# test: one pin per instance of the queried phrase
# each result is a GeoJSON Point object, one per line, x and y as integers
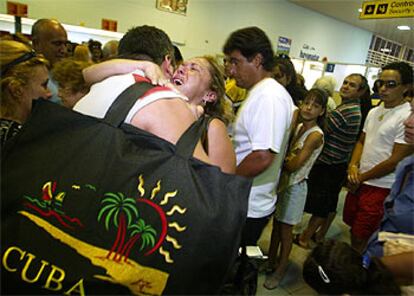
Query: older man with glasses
{"type": "Point", "coordinates": [380, 147]}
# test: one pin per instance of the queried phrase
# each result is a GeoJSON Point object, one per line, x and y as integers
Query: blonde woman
{"type": "Point", "coordinates": [82, 53]}
{"type": "Point", "coordinates": [201, 81]}
{"type": "Point", "coordinates": [71, 85]}
{"type": "Point", "coordinates": [24, 77]}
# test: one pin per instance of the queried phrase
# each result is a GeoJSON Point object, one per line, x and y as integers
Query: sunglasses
{"type": "Point", "coordinates": [387, 83]}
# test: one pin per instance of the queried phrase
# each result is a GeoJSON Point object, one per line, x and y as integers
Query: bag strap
{"type": "Point", "coordinates": [204, 135]}
{"type": "Point", "coordinates": [120, 108]}
{"type": "Point", "coordinates": [186, 144]}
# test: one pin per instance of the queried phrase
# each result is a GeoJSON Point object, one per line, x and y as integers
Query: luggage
{"type": "Point", "coordinates": [93, 206]}
{"type": "Point", "coordinates": [242, 280]}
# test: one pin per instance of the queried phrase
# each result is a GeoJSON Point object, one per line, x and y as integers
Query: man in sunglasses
{"type": "Point", "coordinates": [379, 149]}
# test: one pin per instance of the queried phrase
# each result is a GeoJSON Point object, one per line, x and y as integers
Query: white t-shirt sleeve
{"type": "Point", "coordinates": [399, 130]}
{"type": "Point", "coordinates": [368, 119]}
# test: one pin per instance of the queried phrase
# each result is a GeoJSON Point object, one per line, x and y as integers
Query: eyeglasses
{"type": "Point", "coordinates": [283, 56]}
{"type": "Point", "coordinates": [388, 83]}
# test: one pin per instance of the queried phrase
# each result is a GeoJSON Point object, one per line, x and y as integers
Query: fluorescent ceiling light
{"type": "Point", "coordinates": [404, 28]}
{"type": "Point", "coordinates": [385, 49]}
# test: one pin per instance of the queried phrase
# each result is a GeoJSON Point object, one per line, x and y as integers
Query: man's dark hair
{"type": "Point", "coordinates": [177, 55]}
{"type": "Point", "coordinates": [364, 82]}
{"type": "Point", "coordinates": [251, 41]}
{"type": "Point", "coordinates": [146, 42]}
{"type": "Point", "coordinates": [335, 268]}
{"type": "Point", "coordinates": [94, 44]}
{"type": "Point", "coordinates": [405, 70]}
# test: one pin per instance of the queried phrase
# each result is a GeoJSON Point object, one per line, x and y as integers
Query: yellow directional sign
{"type": "Point", "coordinates": [387, 9]}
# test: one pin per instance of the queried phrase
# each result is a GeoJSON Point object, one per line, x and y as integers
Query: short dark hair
{"type": "Point", "coordinates": [405, 70]}
{"type": "Point", "coordinates": [334, 267]}
{"type": "Point", "coordinates": [251, 41]}
{"type": "Point", "coordinates": [364, 82]}
{"type": "Point", "coordinates": [321, 97]}
{"type": "Point", "coordinates": [146, 41]}
{"type": "Point", "coordinates": [177, 55]}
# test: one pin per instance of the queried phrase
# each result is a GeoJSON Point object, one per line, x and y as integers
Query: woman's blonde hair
{"type": "Point", "coordinates": [68, 73]}
{"type": "Point", "coordinates": [220, 108]}
{"type": "Point", "coordinates": [82, 53]}
{"type": "Point", "coordinates": [15, 72]}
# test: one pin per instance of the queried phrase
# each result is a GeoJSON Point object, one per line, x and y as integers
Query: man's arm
{"type": "Point", "coordinates": [99, 72]}
{"type": "Point", "coordinates": [401, 266]}
{"type": "Point", "coordinates": [312, 142]}
{"type": "Point", "coordinates": [399, 151]}
{"type": "Point", "coordinates": [255, 163]}
{"type": "Point", "coordinates": [353, 166]}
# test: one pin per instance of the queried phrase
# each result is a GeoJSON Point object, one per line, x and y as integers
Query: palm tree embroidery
{"type": "Point", "coordinates": [139, 230]}
{"type": "Point", "coordinates": [122, 211]}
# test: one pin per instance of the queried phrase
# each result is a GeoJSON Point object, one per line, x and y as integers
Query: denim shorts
{"type": "Point", "coordinates": [291, 203]}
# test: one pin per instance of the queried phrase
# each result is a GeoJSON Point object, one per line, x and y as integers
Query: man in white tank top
{"type": "Point", "coordinates": [162, 110]}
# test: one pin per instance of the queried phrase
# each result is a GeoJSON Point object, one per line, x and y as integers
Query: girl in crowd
{"type": "Point", "coordinates": [201, 80]}
{"type": "Point", "coordinates": [334, 268]}
{"type": "Point", "coordinates": [24, 77]}
{"type": "Point", "coordinates": [306, 146]}
{"type": "Point", "coordinates": [68, 74]}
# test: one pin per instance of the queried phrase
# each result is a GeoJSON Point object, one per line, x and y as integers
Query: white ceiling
{"type": "Point", "coordinates": [347, 11]}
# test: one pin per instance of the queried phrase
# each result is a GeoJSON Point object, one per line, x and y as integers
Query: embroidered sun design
{"type": "Point", "coordinates": [174, 226]}
{"type": "Point", "coordinates": [124, 214]}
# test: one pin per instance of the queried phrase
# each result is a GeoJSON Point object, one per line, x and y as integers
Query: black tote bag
{"type": "Point", "coordinates": [94, 206]}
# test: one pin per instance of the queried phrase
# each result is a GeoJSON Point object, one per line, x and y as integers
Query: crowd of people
{"type": "Point", "coordinates": [298, 146]}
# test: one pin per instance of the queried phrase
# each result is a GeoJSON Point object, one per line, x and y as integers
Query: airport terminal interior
{"type": "Point", "coordinates": [321, 38]}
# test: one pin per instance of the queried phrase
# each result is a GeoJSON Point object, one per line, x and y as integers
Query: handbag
{"type": "Point", "coordinates": [97, 206]}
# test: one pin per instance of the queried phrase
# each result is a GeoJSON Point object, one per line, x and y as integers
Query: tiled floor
{"type": "Point", "coordinates": [292, 283]}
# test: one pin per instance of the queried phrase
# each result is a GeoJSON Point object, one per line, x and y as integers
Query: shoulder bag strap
{"type": "Point", "coordinates": [188, 141]}
{"type": "Point", "coordinates": [120, 108]}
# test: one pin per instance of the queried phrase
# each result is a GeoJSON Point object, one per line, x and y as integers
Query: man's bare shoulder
{"type": "Point", "coordinates": [165, 118]}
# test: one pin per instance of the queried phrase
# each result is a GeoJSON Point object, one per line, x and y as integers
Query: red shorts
{"type": "Point", "coordinates": [363, 211]}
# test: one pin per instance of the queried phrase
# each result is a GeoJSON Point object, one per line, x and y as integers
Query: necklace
{"type": "Point", "coordinates": [381, 117]}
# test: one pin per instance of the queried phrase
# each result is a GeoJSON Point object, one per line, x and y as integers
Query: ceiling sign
{"type": "Point", "coordinates": [387, 9]}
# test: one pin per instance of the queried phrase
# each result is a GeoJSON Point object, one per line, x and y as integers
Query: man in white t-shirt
{"type": "Point", "coordinates": [376, 154]}
{"type": "Point", "coordinates": [262, 124]}
{"type": "Point", "coordinates": [161, 111]}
